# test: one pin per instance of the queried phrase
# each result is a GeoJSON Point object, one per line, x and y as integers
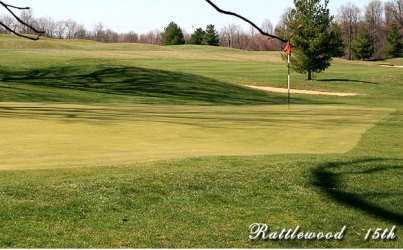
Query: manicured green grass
{"type": "Point", "coordinates": [129, 146]}
{"type": "Point", "coordinates": [50, 135]}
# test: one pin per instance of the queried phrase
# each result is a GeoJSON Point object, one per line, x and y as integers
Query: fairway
{"type": "Point", "coordinates": [140, 146]}
{"type": "Point", "coordinates": [55, 135]}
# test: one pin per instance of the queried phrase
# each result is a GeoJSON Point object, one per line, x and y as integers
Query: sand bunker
{"type": "Point", "coordinates": [390, 65]}
{"type": "Point", "coordinates": [299, 91]}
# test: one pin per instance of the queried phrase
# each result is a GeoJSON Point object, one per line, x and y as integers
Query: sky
{"type": "Point", "coordinates": [142, 16]}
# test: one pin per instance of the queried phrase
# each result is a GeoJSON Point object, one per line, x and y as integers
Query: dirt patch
{"type": "Point", "coordinates": [300, 91]}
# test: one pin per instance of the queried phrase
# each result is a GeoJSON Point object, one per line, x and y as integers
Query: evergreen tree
{"type": "Point", "coordinates": [394, 44]}
{"type": "Point", "coordinates": [318, 41]}
{"type": "Point", "coordinates": [211, 36]}
{"type": "Point", "coordinates": [362, 46]}
{"type": "Point", "coordinates": [173, 35]}
{"type": "Point", "coordinates": [197, 37]}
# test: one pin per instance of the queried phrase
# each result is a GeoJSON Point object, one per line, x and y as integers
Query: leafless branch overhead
{"type": "Point", "coordinates": [8, 7]}
{"type": "Point", "coordinates": [246, 20]}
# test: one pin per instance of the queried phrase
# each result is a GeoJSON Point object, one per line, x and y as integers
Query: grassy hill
{"type": "Point", "coordinates": [131, 145]}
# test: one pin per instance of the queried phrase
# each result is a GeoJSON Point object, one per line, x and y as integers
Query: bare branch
{"type": "Point", "coordinates": [7, 7]}
{"type": "Point", "coordinates": [18, 34]}
{"type": "Point", "coordinates": [15, 7]}
{"type": "Point", "coordinates": [246, 20]}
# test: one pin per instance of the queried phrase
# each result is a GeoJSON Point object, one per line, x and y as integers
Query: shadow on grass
{"type": "Point", "coordinates": [338, 179]}
{"type": "Point", "coordinates": [347, 81]}
{"type": "Point", "coordinates": [105, 83]}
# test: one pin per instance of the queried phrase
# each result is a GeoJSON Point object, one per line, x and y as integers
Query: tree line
{"type": "Point", "coordinates": [71, 29]}
{"type": "Point", "coordinates": [233, 36]}
{"type": "Point", "coordinates": [372, 33]}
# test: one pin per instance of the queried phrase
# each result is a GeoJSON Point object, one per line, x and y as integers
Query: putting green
{"type": "Point", "coordinates": [44, 135]}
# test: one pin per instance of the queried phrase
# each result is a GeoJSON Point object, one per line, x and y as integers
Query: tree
{"type": "Point", "coordinates": [394, 45]}
{"type": "Point", "coordinates": [152, 37]}
{"type": "Point", "coordinates": [81, 32]}
{"type": "Point", "coordinates": [320, 39]}
{"type": "Point", "coordinates": [130, 37]}
{"type": "Point", "coordinates": [268, 44]}
{"type": "Point", "coordinates": [48, 25]}
{"type": "Point", "coordinates": [389, 14]}
{"type": "Point", "coordinates": [395, 9]}
{"type": "Point", "coordinates": [348, 18]}
{"type": "Point", "coordinates": [110, 36]}
{"type": "Point", "coordinates": [211, 36]}
{"type": "Point", "coordinates": [267, 26]}
{"type": "Point", "coordinates": [99, 32]}
{"type": "Point", "coordinates": [362, 46]}
{"type": "Point", "coordinates": [27, 16]}
{"type": "Point", "coordinates": [7, 21]}
{"type": "Point", "coordinates": [374, 20]}
{"type": "Point", "coordinates": [72, 29]}
{"type": "Point", "coordinates": [253, 45]}
{"type": "Point", "coordinates": [227, 35]}
{"type": "Point", "coordinates": [398, 7]}
{"type": "Point", "coordinates": [60, 29]}
{"type": "Point", "coordinates": [197, 37]}
{"type": "Point", "coordinates": [173, 35]}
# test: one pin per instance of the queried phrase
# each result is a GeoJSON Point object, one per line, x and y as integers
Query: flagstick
{"type": "Point", "coordinates": [289, 79]}
{"type": "Point", "coordinates": [288, 50]}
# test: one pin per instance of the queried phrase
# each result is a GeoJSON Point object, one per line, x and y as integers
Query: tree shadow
{"type": "Point", "coordinates": [329, 178]}
{"type": "Point", "coordinates": [139, 85]}
{"type": "Point", "coordinates": [346, 80]}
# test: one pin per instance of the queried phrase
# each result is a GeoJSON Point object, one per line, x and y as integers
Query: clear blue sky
{"type": "Point", "coordinates": [145, 15]}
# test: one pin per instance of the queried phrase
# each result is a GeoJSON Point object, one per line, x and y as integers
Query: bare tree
{"type": "Point", "coordinates": [81, 32]}
{"type": "Point", "coordinates": [227, 35]}
{"type": "Point", "coordinates": [396, 7]}
{"type": "Point", "coordinates": [235, 37]}
{"type": "Point", "coordinates": [99, 32]}
{"type": "Point", "coordinates": [60, 29]}
{"type": "Point", "coordinates": [110, 36]}
{"type": "Point", "coordinates": [129, 37]}
{"type": "Point", "coordinates": [254, 43]}
{"type": "Point", "coordinates": [10, 9]}
{"type": "Point", "coordinates": [9, 22]}
{"type": "Point", "coordinates": [348, 17]}
{"type": "Point", "coordinates": [243, 39]}
{"type": "Point", "coordinates": [389, 13]}
{"type": "Point", "coordinates": [267, 26]}
{"type": "Point", "coordinates": [72, 27]}
{"type": "Point", "coordinates": [27, 16]}
{"type": "Point", "coordinates": [152, 37]}
{"type": "Point", "coordinates": [374, 21]}
{"type": "Point", "coordinates": [48, 25]}
{"type": "Point", "coordinates": [272, 44]}
{"type": "Point", "coordinates": [374, 14]}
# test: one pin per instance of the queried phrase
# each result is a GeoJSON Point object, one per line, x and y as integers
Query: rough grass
{"type": "Point", "coordinates": [90, 109]}
{"type": "Point", "coordinates": [201, 202]}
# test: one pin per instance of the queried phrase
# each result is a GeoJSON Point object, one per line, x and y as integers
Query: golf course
{"type": "Point", "coordinates": [143, 146]}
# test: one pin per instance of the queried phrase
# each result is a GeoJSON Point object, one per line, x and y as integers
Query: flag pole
{"type": "Point", "coordinates": [289, 79]}
{"type": "Point", "coordinates": [288, 50]}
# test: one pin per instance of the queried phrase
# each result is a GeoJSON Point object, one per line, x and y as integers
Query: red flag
{"type": "Point", "coordinates": [288, 49]}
